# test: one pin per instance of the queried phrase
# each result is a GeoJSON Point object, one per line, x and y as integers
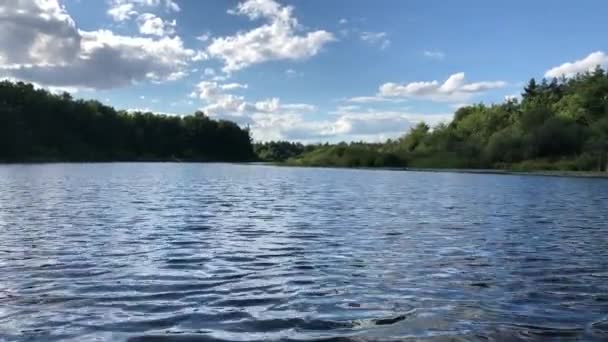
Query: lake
{"type": "Point", "coordinates": [214, 252]}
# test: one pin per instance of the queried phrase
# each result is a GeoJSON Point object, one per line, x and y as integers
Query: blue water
{"type": "Point", "coordinates": [189, 252]}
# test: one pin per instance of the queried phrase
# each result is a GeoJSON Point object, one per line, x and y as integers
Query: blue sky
{"type": "Point", "coordinates": [300, 70]}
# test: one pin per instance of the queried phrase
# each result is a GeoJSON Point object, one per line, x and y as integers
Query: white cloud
{"type": "Point", "coordinates": [209, 72]}
{"type": "Point", "coordinates": [350, 124]}
{"type": "Point", "coordinates": [51, 89]}
{"type": "Point", "coordinates": [200, 56]}
{"type": "Point", "coordinates": [139, 109]}
{"type": "Point", "coordinates": [267, 106]}
{"type": "Point", "coordinates": [438, 55]}
{"type": "Point", "coordinates": [233, 86]}
{"type": "Point", "coordinates": [457, 106]}
{"type": "Point", "coordinates": [347, 108]}
{"type": "Point", "coordinates": [150, 110]}
{"type": "Point", "coordinates": [290, 126]}
{"type": "Point", "coordinates": [150, 24]}
{"type": "Point", "coordinates": [270, 119]}
{"type": "Point", "coordinates": [36, 33]}
{"type": "Point", "coordinates": [343, 21]}
{"type": "Point", "coordinates": [41, 43]}
{"type": "Point", "coordinates": [291, 73]}
{"type": "Point", "coordinates": [121, 10]}
{"type": "Point", "coordinates": [299, 107]}
{"type": "Point", "coordinates": [373, 99]}
{"type": "Point", "coordinates": [373, 123]}
{"type": "Point", "coordinates": [219, 101]}
{"type": "Point", "coordinates": [376, 38]}
{"type": "Point", "coordinates": [453, 89]}
{"type": "Point", "coordinates": [172, 6]}
{"type": "Point", "coordinates": [582, 65]}
{"type": "Point", "coordinates": [204, 37]}
{"type": "Point", "coordinates": [277, 39]}
{"type": "Point", "coordinates": [208, 91]}
{"type": "Point", "coordinates": [260, 115]}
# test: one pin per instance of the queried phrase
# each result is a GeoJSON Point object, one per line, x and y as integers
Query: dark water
{"type": "Point", "coordinates": [234, 252]}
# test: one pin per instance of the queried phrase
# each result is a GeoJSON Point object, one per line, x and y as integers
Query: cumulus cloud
{"type": "Point", "coordinates": [41, 43]}
{"type": "Point", "coordinates": [403, 114]}
{"type": "Point", "coordinates": [36, 33]}
{"type": "Point", "coordinates": [200, 56]}
{"type": "Point", "coordinates": [349, 124]}
{"type": "Point", "coordinates": [267, 118]}
{"type": "Point", "coordinates": [452, 89]}
{"type": "Point", "coordinates": [107, 60]}
{"type": "Point", "coordinates": [376, 38]}
{"type": "Point", "coordinates": [270, 119]}
{"type": "Point", "coordinates": [121, 10]}
{"type": "Point", "coordinates": [150, 24]}
{"type": "Point", "coordinates": [219, 101]}
{"type": "Point", "coordinates": [277, 39]}
{"type": "Point", "coordinates": [267, 106]}
{"type": "Point", "coordinates": [588, 63]}
{"type": "Point", "coordinates": [372, 123]}
{"type": "Point", "coordinates": [292, 126]}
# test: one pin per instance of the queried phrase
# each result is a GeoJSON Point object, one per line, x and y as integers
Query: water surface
{"type": "Point", "coordinates": [209, 252]}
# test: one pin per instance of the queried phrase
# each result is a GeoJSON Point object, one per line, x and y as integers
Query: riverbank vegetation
{"type": "Point", "coordinates": [36, 125]}
{"type": "Point", "coordinates": [559, 124]}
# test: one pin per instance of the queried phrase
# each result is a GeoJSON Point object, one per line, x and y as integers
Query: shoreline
{"type": "Point", "coordinates": [545, 173]}
{"type": "Point", "coordinates": [102, 161]}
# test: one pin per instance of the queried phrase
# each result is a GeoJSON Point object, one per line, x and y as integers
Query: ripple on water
{"type": "Point", "coordinates": [218, 252]}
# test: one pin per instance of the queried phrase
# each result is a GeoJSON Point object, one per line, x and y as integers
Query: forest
{"type": "Point", "coordinates": [559, 124]}
{"type": "Point", "coordinates": [36, 125]}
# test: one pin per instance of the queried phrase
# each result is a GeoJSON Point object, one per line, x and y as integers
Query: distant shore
{"type": "Point", "coordinates": [546, 173]}
{"type": "Point", "coordinates": [135, 160]}
{"type": "Point", "coordinates": [587, 174]}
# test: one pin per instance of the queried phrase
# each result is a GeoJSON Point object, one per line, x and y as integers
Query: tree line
{"type": "Point", "coordinates": [559, 124]}
{"type": "Point", "coordinates": [36, 125]}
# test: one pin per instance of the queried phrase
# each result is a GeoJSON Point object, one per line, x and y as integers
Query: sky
{"type": "Point", "coordinates": [306, 70]}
